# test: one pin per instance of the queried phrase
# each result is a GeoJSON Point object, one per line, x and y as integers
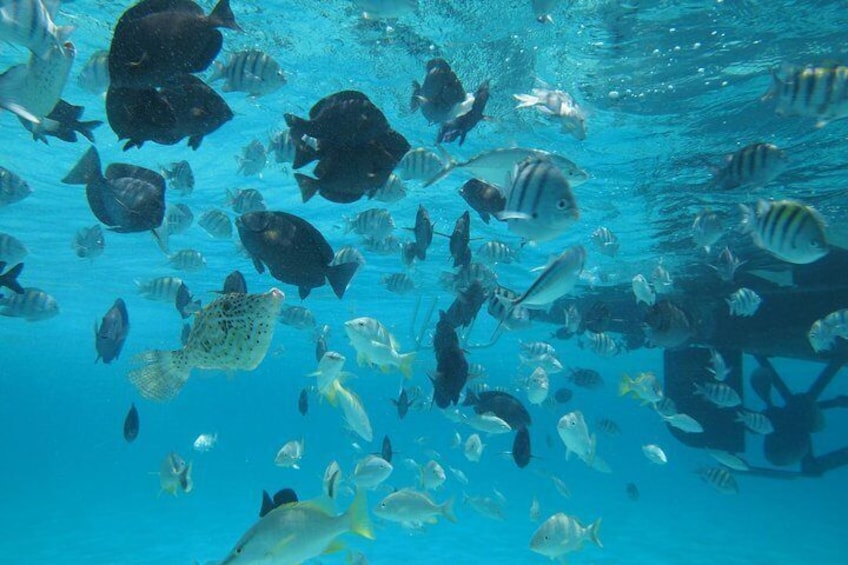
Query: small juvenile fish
{"type": "Point", "coordinates": [744, 302]}
{"type": "Point", "coordinates": [655, 454]}
{"type": "Point", "coordinates": [290, 454]}
{"type": "Point", "coordinates": [217, 224]}
{"type": "Point", "coordinates": [642, 290]}
{"type": "Point", "coordinates": [720, 479]}
{"type": "Point", "coordinates": [205, 442]}
{"type": "Point", "coordinates": [252, 71]}
{"type": "Point", "coordinates": [756, 422]}
{"type": "Point", "coordinates": [719, 394]}
{"type": "Point", "coordinates": [253, 158]}
{"type": "Point", "coordinates": [606, 241]}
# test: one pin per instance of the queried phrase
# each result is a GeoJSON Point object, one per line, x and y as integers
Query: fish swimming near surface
{"type": "Point", "coordinates": [157, 40]}
{"type": "Point", "coordinates": [131, 424]}
{"type": "Point", "coordinates": [31, 91]}
{"type": "Point", "coordinates": [459, 127]}
{"type": "Point", "coordinates": [556, 105]}
{"type": "Point", "coordinates": [755, 165]}
{"type": "Point", "coordinates": [441, 93]}
{"type": "Point", "coordinates": [251, 71]}
{"type": "Point", "coordinates": [126, 198]}
{"type": "Point", "coordinates": [110, 336]}
{"type": "Point", "coordinates": [233, 332]}
{"type": "Point", "coordinates": [187, 107]}
{"type": "Point", "coordinates": [816, 92]}
{"type": "Point", "coordinates": [29, 23]}
{"type": "Point", "coordinates": [9, 279]}
{"type": "Point", "coordinates": [789, 230]}
{"type": "Point", "coordinates": [293, 251]}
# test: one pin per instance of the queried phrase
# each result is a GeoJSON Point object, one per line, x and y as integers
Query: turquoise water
{"type": "Point", "coordinates": [688, 78]}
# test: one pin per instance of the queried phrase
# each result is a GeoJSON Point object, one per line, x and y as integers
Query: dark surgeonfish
{"type": "Point", "coordinates": [355, 147]}
{"type": "Point", "coordinates": [467, 304]}
{"type": "Point", "coordinates": [521, 450]}
{"type": "Point", "coordinates": [156, 40]}
{"type": "Point", "coordinates": [127, 198]}
{"type": "Point", "coordinates": [185, 108]}
{"type": "Point", "coordinates": [131, 424]}
{"type": "Point", "coordinates": [402, 403]}
{"type": "Point", "coordinates": [501, 404]}
{"type": "Point", "coordinates": [459, 239]}
{"type": "Point", "coordinates": [64, 124]}
{"type": "Point", "coordinates": [303, 402]}
{"type": "Point", "coordinates": [110, 336]}
{"type": "Point", "coordinates": [423, 231]}
{"type": "Point", "coordinates": [284, 496]}
{"type": "Point", "coordinates": [235, 283]}
{"type": "Point", "coordinates": [9, 279]}
{"type": "Point", "coordinates": [293, 251]}
{"type": "Point", "coordinates": [462, 124]}
{"type": "Point", "coordinates": [439, 94]}
{"type": "Point", "coordinates": [486, 199]}
{"type": "Point", "coordinates": [185, 303]}
{"type": "Point", "coordinates": [386, 449]}
{"type": "Point", "coordinates": [451, 365]}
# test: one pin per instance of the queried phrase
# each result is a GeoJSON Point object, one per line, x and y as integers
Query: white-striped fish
{"type": "Point", "coordinates": [187, 260]}
{"type": "Point", "coordinates": [540, 205]}
{"type": "Point", "coordinates": [419, 163]}
{"type": "Point", "coordinates": [348, 254]}
{"type": "Point", "coordinates": [756, 422]}
{"type": "Point", "coordinates": [12, 187]}
{"type": "Point", "coordinates": [298, 317]}
{"type": "Point", "coordinates": [180, 177]}
{"type": "Point", "coordinates": [162, 289]}
{"type": "Point", "coordinates": [31, 91]}
{"type": "Point", "coordinates": [217, 224]}
{"type": "Point", "coordinates": [706, 229]}
{"type": "Point", "coordinates": [718, 368]}
{"type": "Point", "coordinates": [817, 92]}
{"type": "Point", "coordinates": [606, 241]}
{"type": "Point", "coordinates": [29, 23]}
{"type": "Point", "coordinates": [789, 230]}
{"type": "Point", "coordinates": [12, 251]}
{"type": "Point", "coordinates": [94, 76]}
{"type": "Point", "coordinates": [282, 146]}
{"type": "Point", "coordinates": [601, 343]}
{"type": "Point", "coordinates": [720, 479]}
{"type": "Point", "coordinates": [493, 252]}
{"type": "Point", "coordinates": [719, 394]}
{"type": "Point", "coordinates": [251, 71]}
{"type": "Point", "coordinates": [823, 333]}
{"type": "Point", "coordinates": [392, 191]}
{"type": "Point", "coordinates": [244, 200]}
{"type": "Point", "coordinates": [744, 302]}
{"type": "Point", "coordinates": [726, 265]}
{"type": "Point", "coordinates": [754, 165]}
{"type": "Point", "coordinates": [178, 218]}
{"type": "Point", "coordinates": [374, 222]}
{"type": "Point", "coordinates": [399, 283]}
{"type": "Point", "coordinates": [253, 158]}
{"type": "Point", "coordinates": [33, 305]}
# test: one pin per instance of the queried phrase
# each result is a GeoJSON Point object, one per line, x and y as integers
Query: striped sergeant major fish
{"type": "Point", "coordinates": [754, 165]}
{"type": "Point", "coordinates": [789, 230]}
{"type": "Point", "coordinates": [30, 23]}
{"type": "Point", "coordinates": [816, 92]}
{"type": "Point", "coordinates": [251, 71]}
{"type": "Point", "coordinates": [94, 76]}
{"type": "Point", "coordinates": [539, 205]}
{"type": "Point", "coordinates": [33, 305]}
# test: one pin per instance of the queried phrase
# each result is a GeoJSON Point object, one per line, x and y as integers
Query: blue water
{"type": "Point", "coordinates": [689, 77]}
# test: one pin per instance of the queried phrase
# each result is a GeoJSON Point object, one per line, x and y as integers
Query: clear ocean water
{"type": "Point", "coordinates": [669, 89]}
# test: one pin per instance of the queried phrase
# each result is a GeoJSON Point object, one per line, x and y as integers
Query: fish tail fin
{"type": "Point", "coordinates": [624, 385]}
{"type": "Point", "coordinates": [308, 186]}
{"type": "Point", "coordinates": [360, 523]}
{"type": "Point", "coordinates": [11, 82]}
{"type": "Point", "coordinates": [525, 100]}
{"type": "Point", "coordinates": [415, 101]}
{"type": "Point", "coordinates": [63, 33]}
{"type": "Point", "coordinates": [594, 533]}
{"type": "Point", "coordinates": [217, 72]}
{"type": "Point", "coordinates": [447, 511]}
{"type": "Point", "coordinates": [296, 126]}
{"type": "Point", "coordinates": [86, 170]}
{"type": "Point", "coordinates": [163, 375]}
{"type": "Point", "coordinates": [775, 87]}
{"type": "Point", "coordinates": [339, 276]}
{"type": "Point", "coordinates": [330, 395]}
{"type": "Point", "coordinates": [405, 366]}
{"type": "Point", "coordinates": [87, 128]}
{"type": "Point", "coordinates": [222, 16]}
{"type": "Point", "coordinates": [10, 279]}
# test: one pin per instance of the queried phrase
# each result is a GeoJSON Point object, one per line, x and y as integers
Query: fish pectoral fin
{"type": "Point", "coordinates": [334, 547]}
{"type": "Point", "coordinates": [280, 546]}
{"type": "Point", "coordinates": [510, 215]}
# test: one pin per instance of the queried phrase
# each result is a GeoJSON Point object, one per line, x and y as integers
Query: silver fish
{"type": "Point", "coordinates": [187, 260]}
{"type": "Point", "coordinates": [719, 394]}
{"type": "Point", "coordinates": [33, 305]}
{"type": "Point", "coordinates": [754, 166]}
{"type": "Point", "coordinates": [12, 251]}
{"type": "Point", "coordinates": [744, 302]}
{"type": "Point", "coordinates": [94, 76]}
{"type": "Point", "coordinates": [12, 187]}
{"type": "Point", "coordinates": [31, 91]}
{"type": "Point", "coordinates": [727, 264]}
{"type": "Point", "coordinates": [606, 241]}
{"type": "Point", "coordinates": [251, 71]}
{"type": "Point", "coordinates": [89, 242]}
{"type": "Point", "coordinates": [706, 229]}
{"type": "Point", "coordinates": [720, 479]}
{"type": "Point", "coordinates": [393, 191]}
{"type": "Point", "coordinates": [178, 218]}
{"type": "Point", "coordinates": [244, 200]}
{"type": "Point", "coordinates": [253, 158]}
{"type": "Point", "coordinates": [217, 224]}
{"type": "Point", "coordinates": [556, 280]}
{"type": "Point", "coordinates": [282, 147]}
{"type": "Point", "coordinates": [789, 230]}
{"type": "Point", "coordinates": [817, 92]}
{"type": "Point", "coordinates": [180, 177]}
{"type": "Point", "coordinates": [30, 23]}
{"type": "Point", "coordinates": [374, 222]}
{"type": "Point", "coordinates": [419, 163]}
{"type": "Point", "coordinates": [399, 283]}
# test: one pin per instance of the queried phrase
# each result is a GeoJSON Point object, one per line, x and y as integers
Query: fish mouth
{"type": "Point", "coordinates": [277, 293]}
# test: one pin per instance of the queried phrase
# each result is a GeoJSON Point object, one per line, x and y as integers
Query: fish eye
{"type": "Point", "coordinates": [561, 204]}
{"type": "Point", "coordinates": [815, 244]}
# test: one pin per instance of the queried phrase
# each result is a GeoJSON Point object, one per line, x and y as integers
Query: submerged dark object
{"type": "Point", "coordinates": [166, 115]}
{"type": "Point", "coordinates": [386, 449]}
{"type": "Point", "coordinates": [355, 147]}
{"type": "Point", "coordinates": [451, 366]}
{"type": "Point", "coordinates": [9, 279]}
{"type": "Point", "coordinates": [156, 40]}
{"type": "Point", "coordinates": [185, 303]}
{"type": "Point", "coordinates": [459, 239]}
{"type": "Point", "coordinates": [439, 94]}
{"type": "Point", "coordinates": [486, 199]}
{"type": "Point", "coordinates": [131, 424]}
{"type": "Point", "coordinates": [110, 336]}
{"type": "Point", "coordinates": [501, 404]}
{"type": "Point", "coordinates": [459, 127]}
{"type": "Point", "coordinates": [466, 305]}
{"type": "Point", "coordinates": [563, 395]}
{"type": "Point", "coordinates": [127, 198]}
{"type": "Point", "coordinates": [303, 402]}
{"type": "Point", "coordinates": [423, 231]}
{"type": "Point", "coordinates": [281, 497]}
{"type": "Point", "coordinates": [293, 251]}
{"type": "Point", "coordinates": [402, 403]}
{"type": "Point", "coordinates": [521, 451]}
{"type": "Point", "coordinates": [632, 491]}
{"type": "Point", "coordinates": [63, 122]}
{"type": "Point", "coordinates": [235, 283]}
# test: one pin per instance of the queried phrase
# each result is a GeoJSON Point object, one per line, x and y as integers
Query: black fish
{"type": "Point", "coordinates": [668, 325]}
{"type": "Point", "coordinates": [109, 338]}
{"type": "Point", "coordinates": [459, 239]}
{"type": "Point", "coordinates": [127, 199]}
{"type": "Point", "coordinates": [63, 122]}
{"type": "Point", "coordinates": [563, 395]}
{"type": "Point", "coordinates": [402, 403]}
{"type": "Point", "coordinates": [632, 491]}
{"type": "Point", "coordinates": [521, 452]}
{"type": "Point", "coordinates": [156, 40]}
{"type": "Point", "coordinates": [355, 147]}
{"type": "Point", "coordinates": [451, 366]}
{"type": "Point", "coordinates": [185, 303]}
{"type": "Point", "coordinates": [303, 402]}
{"type": "Point", "coordinates": [131, 424]}
{"type": "Point", "coordinates": [597, 318]}
{"type": "Point", "coordinates": [284, 496]}
{"type": "Point", "coordinates": [501, 404]}
{"type": "Point", "coordinates": [586, 378]}
{"type": "Point", "coordinates": [423, 231]}
{"type": "Point", "coordinates": [188, 108]}
{"type": "Point", "coordinates": [9, 279]}
{"type": "Point", "coordinates": [462, 124]}
{"type": "Point", "coordinates": [235, 283]}
{"type": "Point", "coordinates": [386, 449]}
{"type": "Point", "coordinates": [486, 199]}
{"type": "Point", "coordinates": [439, 94]}
{"type": "Point", "coordinates": [467, 304]}
{"type": "Point", "coordinates": [293, 250]}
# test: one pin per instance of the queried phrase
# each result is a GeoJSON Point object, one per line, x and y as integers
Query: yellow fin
{"type": "Point", "coordinates": [405, 366]}
{"type": "Point", "coordinates": [334, 547]}
{"type": "Point", "coordinates": [360, 523]}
